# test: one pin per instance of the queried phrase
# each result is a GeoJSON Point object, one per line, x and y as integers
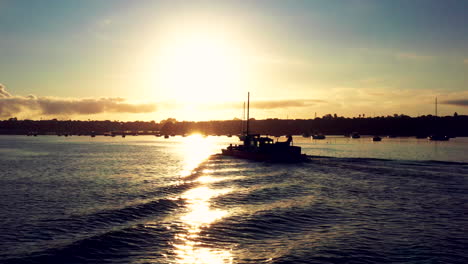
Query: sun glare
{"type": "Point", "coordinates": [199, 67]}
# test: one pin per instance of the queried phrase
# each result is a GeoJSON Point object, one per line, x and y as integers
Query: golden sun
{"type": "Point", "coordinates": [198, 68]}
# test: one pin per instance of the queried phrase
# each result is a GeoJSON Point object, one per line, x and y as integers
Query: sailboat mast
{"type": "Point", "coordinates": [243, 119]}
{"type": "Point", "coordinates": [248, 108]}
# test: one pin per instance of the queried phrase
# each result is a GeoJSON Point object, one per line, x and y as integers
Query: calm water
{"type": "Point", "coordinates": [152, 200]}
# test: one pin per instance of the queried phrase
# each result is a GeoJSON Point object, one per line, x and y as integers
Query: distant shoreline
{"type": "Point", "coordinates": [455, 126]}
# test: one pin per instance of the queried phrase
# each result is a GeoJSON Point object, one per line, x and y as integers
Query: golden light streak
{"type": "Point", "coordinates": [200, 215]}
{"type": "Point", "coordinates": [195, 150]}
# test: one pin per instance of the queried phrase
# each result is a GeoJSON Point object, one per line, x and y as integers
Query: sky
{"type": "Point", "coordinates": [196, 60]}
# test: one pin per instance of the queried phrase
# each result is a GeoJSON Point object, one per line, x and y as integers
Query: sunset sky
{"type": "Point", "coordinates": [196, 60]}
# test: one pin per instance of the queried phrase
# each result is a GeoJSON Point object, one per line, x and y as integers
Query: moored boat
{"type": "Point", "coordinates": [355, 135]}
{"type": "Point", "coordinates": [318, 136]}
{"type": "Point", "coordinates": [437, 137]}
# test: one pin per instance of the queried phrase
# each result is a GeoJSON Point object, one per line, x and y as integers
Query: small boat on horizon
{"type": "Point", "coordinates": [318, 136]}
{"type": "Point", "coordinates": [376, 138]}
{"type": "Point", "coordinates": [438, 137]}
{"type": "Point", "coordinates": [355, 135]}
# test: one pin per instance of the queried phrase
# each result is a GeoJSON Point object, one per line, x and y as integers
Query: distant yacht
{"type": "Point", "coordinates": [318, 136]}
{"type": "Point", "coordinates": [437, 137]}
{"type": "Point", "coordinates": [376, 138]}
{"type": "Point", "coordinates": [355, 135]}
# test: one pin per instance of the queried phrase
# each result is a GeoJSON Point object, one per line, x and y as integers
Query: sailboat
{"type": "Point", "coordinates": [438, 136]}
{"type": "Point", "coordinates": [258, 148]}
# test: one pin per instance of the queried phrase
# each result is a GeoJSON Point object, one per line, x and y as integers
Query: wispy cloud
{"type": "Point", "coordinates": [3, 92]}
{"type": "Point", "coordinates": [414, 56]}
{"type": "Point", "coordinates": [279, 61]}
{"type": "Point", "coordinates": [266, 104]}
{"type": "Point", "coordinates": [16, 105]}
{"type": "Point", "coordinates": [286, 103]}
{"type": "Point", "coordinates": [104, 22]}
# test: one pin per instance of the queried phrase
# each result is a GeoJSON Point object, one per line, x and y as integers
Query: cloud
{"type": "Point", "coordinates": [279, 61]}
{"type": "Point", "coordinates": [3, 92]}
{"type": "Point", "coordinates": [273, 104]}
{"type": "Point", "coordinates": [286, 103]}
{"type": "Point", "coordinates": [413, 56]}
{"type": "Point", "coordinates": [459, 102]}
{"type": "Point", "coordinates": [17, 105]}
{"type": "Point", "coordinates": [465, 61]}
{"type": "Point", "coordinates": [104, 22]}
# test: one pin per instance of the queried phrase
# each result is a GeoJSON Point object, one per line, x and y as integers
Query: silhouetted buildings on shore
{"type": "Point", "coordinates": [398, 125]}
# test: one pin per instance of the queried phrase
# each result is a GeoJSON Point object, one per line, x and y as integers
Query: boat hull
{"type": "Point", "coordinates": [292, 155]}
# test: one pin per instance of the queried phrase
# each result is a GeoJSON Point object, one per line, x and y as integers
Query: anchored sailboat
{"type": "Point", "coordinates": [438, 136]}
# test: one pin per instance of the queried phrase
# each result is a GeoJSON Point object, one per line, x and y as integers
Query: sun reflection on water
{"type": "Point", "coordinates": [199, 214]}
{"type": "Point", "coordinates": [195, 150]}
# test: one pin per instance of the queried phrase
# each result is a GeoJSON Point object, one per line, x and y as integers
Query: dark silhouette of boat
{"type": "Point", "coordinates": [355, 135]}
{"type": "Point", "coordinates": [437, 137]}
{"type": "Point", "coordinates": [318, 136]}
{"type": "Point", "coordinates": [258, 148]}
{"type": "Point", "coordinates": [376, 138]}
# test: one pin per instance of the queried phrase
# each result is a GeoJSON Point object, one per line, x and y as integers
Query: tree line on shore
{"type": "Point", "coordinates": [398, 125]}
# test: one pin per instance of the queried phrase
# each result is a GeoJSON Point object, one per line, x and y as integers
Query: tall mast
{"type": "Point", "coordinates": [243, 119]}
{"type": "Point", "coordinates": [248, 107]}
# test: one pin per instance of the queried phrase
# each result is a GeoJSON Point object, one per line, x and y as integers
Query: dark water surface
{"type": "Point", "coordinates": [150, 200]}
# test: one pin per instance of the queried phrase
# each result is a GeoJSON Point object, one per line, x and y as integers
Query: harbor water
{"type": "Point", "coordinates": [146, 199]}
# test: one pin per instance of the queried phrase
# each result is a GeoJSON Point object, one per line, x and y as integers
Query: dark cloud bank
{"type": "Point", "coordinates": [13, 105]}
{"type": "Point", "coordinates": [461, 102]}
